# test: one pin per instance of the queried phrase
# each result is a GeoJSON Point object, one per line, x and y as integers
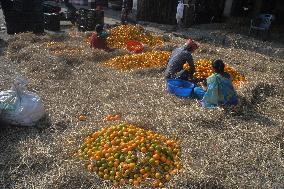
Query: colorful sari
{"type": "Point", "coordinates": [220, 92]}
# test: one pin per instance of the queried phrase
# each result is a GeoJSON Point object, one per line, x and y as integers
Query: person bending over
{"type": "Point", "coordinates": [180, 64]}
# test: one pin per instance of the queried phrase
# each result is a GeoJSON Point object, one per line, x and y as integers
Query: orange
{"type": "Point", "coordinates": [82, 118]}
{"type": "Point", "coordinates": [94, 135]}
{"type": "Point", "coordinates": [186, 66]}
{"type": "Point", "coordinates": [90, 167]}
{"type": "Point", "coordinates": [106, 177]}
{"type": "Point", "coordinates": [125, 166]}
{"type": "Point", "coordinates": [106, 171]}
{"type": "Point", "coordinates": [142, 171]}
{"type": "Point", "coordinates": [173, 171]}
{"type": "Point", "coordinates": [143, 149]}
{"type": "Point", "coordinates": [118, 174]}
{"type": "Point", "coordinates": [156, 156]}
{"type": "Point", "coordinates": [115, 184]}
{"type": "Point", "coordinates": [132, 165]}
{"type": "Point", "coordinates": [158, 175]}
{"type": "Point", "coordinates": [130, 181]}
{"type": "Point", "coordinates": [117, 117]}
{"type": "Point", "coordinates": [145, 175]}
{"type": "Point", "coordinates": [163, 159]}
{"type": "Point", "coordinates": [168, 162]}
{"type": "Point", "coordinates": [167, 177]}
{"type": "Point", "coordinates": [135, 183]}
{"type": "Point", "coordinates": [108, 117]}
{"type": "Point", "coordinates": [156, 183]}
{"type": "Point", "coordinates": [152, 161]}
{"type": "Point", "coordinates": [122, 181]}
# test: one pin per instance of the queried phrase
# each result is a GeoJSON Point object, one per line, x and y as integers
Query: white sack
{"type": "Point", "coordinates": [19, 106]}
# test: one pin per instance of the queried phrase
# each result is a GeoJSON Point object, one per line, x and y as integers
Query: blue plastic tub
{"type": "Point", "coordinates": [180, 87]}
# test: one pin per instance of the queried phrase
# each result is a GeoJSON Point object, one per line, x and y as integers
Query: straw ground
{"type": "Point", "coordinates": [240, 148]}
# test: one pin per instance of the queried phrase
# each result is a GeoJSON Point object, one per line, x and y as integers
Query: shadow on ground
{"type": "Point", "coordinates": [280, 140]}
{"type": "Point", "coordinates": [261, 92]}
{"type": "Point", "coordinates": [151, 72]}
{"type": "Point", "coordinates": [12, 139]}
{"type": "Point", "coordinates": [247, 109]}
{"type": "Point", "coordinates": [205, 184]}
{"type": "Point", "coordinates": [3, 46]}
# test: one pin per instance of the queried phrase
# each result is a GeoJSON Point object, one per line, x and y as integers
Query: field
{"type": "Point", "coordinates": [240, 148]}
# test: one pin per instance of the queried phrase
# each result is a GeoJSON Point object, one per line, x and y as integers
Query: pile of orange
{"type": "Point", "coordinates": [126, 154]}
{"type": "Point", "coordinates": [135, 61]}
{"type": "Point", "coordinates": [120, 35]}
{"type": "Point", "coordinates": [203, 69]}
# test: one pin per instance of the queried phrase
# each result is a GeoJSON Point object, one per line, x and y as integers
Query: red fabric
{"type": "Point", "coordinates": [97, 42]}
{"type": "Point", "coordinates": [193, 45]}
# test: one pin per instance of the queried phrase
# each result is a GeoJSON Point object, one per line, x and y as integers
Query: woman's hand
{"type": "Point", "coordinates": [203, 86]}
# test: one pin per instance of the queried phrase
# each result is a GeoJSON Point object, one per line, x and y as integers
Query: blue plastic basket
{"type": "Point", "coordinates": [180, 88]}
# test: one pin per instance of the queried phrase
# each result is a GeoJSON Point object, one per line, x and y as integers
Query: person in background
{"type": "Point", "coordinates": [180, 64]}
{"type": "Point", "coordinates": [71, 11]}
{"type": "Point", "coordinates": [218, 89]}
{"type": "Point", "coordinates": [69, 5]}
{"type": "Point", "coordinates": [127, 6]}
{"type": "Point", "coordinates": [98, 38]}
{"type": "Point", "coordinates": [179, 14]}
{"type": "Point", "coordinates": [99, 4]}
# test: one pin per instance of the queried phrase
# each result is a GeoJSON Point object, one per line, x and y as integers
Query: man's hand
{"type": "Point", "coordinates": [186, 66]}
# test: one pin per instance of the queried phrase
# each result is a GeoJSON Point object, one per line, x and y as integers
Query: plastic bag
{"type": "Point", "coordinates": [19, 106]}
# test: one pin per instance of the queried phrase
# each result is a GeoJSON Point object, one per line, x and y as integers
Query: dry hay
{"type": "Point", "coordinates": [54, 56]}
{"type": "Point", "coordinates": [240, 148]}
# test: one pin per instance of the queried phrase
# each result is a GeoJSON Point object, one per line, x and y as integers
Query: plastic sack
{"type": "Point", "coordinates": [19, 106]}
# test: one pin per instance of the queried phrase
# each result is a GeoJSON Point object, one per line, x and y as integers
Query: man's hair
{"type": "Point", "coordinates": [218, 65]}
{"type": "Point", "coordinates": [190, 45]}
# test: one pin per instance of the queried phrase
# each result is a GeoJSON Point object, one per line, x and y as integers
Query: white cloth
{"type": "Point", "coordinates": [79, 2]}
{"type": "Point", "coordinates": [179, 14]}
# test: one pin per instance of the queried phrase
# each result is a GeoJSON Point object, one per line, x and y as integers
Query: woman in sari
{"type": "Point", "coordinates": [99, 38]}
{"type": "Point", "coordinates": [218, 89]}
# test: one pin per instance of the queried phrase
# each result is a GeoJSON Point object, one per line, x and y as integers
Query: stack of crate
{"type": "Point", "coordinates": [160, 11]}
{"type": "Point", "coordinates": [51, 21]}
{"type": "Point", "coordinates": [89, 18]}
{"type": "Point", "coordinates": [24, 15]}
